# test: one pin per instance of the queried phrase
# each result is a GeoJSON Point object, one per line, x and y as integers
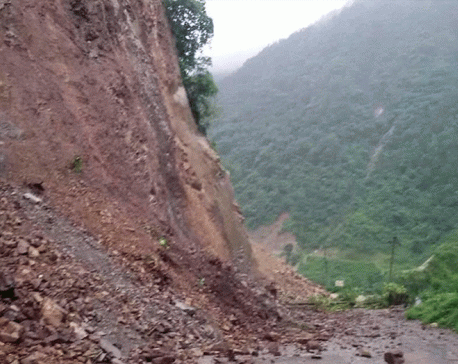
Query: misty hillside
{"type": "Point", "coordinates": [351, 126]}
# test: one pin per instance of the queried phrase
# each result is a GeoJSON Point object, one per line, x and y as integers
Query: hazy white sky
{"type": "Point", "coordinates": [244, 27]}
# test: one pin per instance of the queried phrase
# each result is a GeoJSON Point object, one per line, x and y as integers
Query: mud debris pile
{"type": "Point", "coordinates": [65, 298]}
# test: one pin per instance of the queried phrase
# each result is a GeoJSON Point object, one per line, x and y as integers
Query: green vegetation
{"type": "Point", "coordinates": [77, 164]}
{"type": "Point", "coordinates": [440, 308]}
{"type": "Point", "coordinates": [347, 298]}
{"type": "Point", "coordinates": [350, 126]}
{"type": "Point", "coordinates": [395, 294]}
{"type": "Point", "coordinates": [364, 275]}
{"type": "Point", "coordinates": [163, 242]}
{"type": "Point", "coordinates": [193, 29]}
{"type": "Point", "coordinates": [201, 282]}
{"type": "Point", "coordinates": [436, 284]}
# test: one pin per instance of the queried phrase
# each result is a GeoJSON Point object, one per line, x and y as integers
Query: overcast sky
{"type": "Point", "coordinates": [244, 27]}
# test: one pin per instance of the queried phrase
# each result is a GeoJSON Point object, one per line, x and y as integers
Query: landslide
{"type": "Point", "coordinates": [268, 244]}
{"type": "Point", "coordinates": [93, 87]}
{"type": "Point", "coordinates": [120, 240]}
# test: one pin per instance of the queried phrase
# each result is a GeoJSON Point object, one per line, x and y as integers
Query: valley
{"type": "Point", "coordinates": [349, 127]}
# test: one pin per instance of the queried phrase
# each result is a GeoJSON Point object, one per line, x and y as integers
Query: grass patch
{"type": "Point", "coordinates": [439, 308]}
{"type": "Point", "coordinates": [436, 284]}
{"type": "Point", "coordinates": [433, 283]}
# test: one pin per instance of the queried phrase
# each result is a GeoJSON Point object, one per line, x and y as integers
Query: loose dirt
{"type": "Point", "coordinates": [273, 237]}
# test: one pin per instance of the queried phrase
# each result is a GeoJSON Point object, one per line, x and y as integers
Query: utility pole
{"type": "Point", "coordinates": [393, 243]}
{"type": "Point", "coordinates": [326, 269]}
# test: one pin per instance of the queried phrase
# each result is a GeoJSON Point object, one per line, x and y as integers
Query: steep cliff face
{"type": "Point", "coordinates": [93, 111]}
{"type": "Point", "coordinates": [99, 161]}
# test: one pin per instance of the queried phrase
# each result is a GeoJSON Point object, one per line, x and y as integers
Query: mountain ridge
{"type": "Point", "coordinates": [335, 124]}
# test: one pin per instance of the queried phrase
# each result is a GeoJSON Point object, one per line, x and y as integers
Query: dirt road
{"type": "Point", "coordinates": [362, 336]}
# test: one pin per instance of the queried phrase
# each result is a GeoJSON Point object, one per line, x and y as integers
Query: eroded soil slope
{"type": "Point", "coordinates": [92, 109]}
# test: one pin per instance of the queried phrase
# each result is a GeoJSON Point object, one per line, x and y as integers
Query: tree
{"type": "Point", "coordinates": [193, 29]}
{"type": "Point", "coordinates": [200, 88]}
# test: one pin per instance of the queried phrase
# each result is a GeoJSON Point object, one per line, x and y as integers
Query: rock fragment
{"type": "Point", "coordinates": [365, 353]}
{"type": "Point", "coordinates": [304, 338]}
{"type": "Point", "coordinates": [313, 345]}
{"type": "Point", "coordinates": [116, 361]}
{"type": "Point", "coordinates": [52, 313]}
{"type": "Point", "coordinates": [274, 349]}
{"type": "Point", "coordinates": [80, 333]}
{"type": "Point", "coordinates": [164, 360]}
{"type": "Point", "coordinates": [219, 347]}
{"type": "Point", "coordinates": [33, 252]}
{"type": "Point", "coordinates": [185, 308]}
{"type": "Point", "coordinates": [7, 285]}
{"type": "Point", "coordinates": [22, 247]}
{"type": "Point", "coordinates": [10, 244]}
{"type": "Point", "coordinates": [110, 348]}
{"type": "Point", "coordinates": [33, 359]}
{"type": "Point", "coordinates": [10, 332]}
{"type": "Point", "coordinates": [394, 357]}
{"type": "Point", "coordinates": [31, 197]}
{"type": "Point", "coordinates": [272, 336]}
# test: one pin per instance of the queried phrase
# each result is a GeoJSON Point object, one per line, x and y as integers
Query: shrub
{"type": "Point", "coordinates": [395, 294]}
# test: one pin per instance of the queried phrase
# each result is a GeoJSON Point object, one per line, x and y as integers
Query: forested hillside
{"type": "Point", "coordinates": [350, 125]}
